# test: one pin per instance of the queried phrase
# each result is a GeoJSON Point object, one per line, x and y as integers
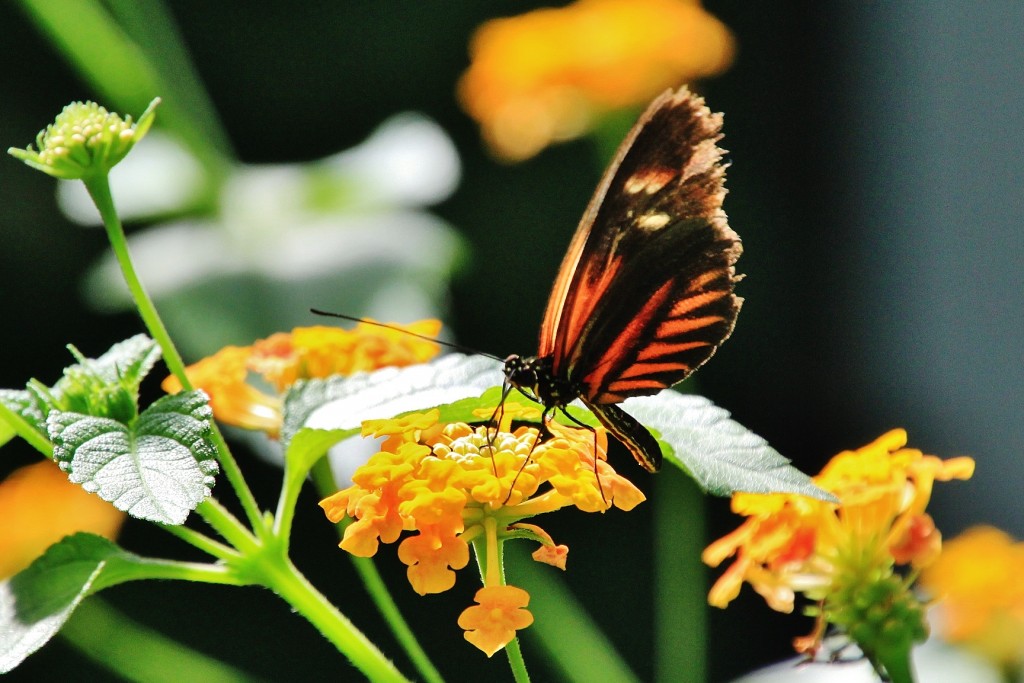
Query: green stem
{"type": "Point", "coordinates": [516, 661]}
{"type": "Point", "coordinates": [496, 552]}
{"type": "Point", "coordinates": [99, 189]}
{"type": "Point", "coordinates": [118, 570]}
{"type": "Point", "coordinates": [580, 653]}
{"type": "Point", "coordinates": [225, 524]}
{"type": "Point", "coordinates": [680, 605]}
{"type": "Point", "coordinates": [323, 479]}
{"type": "Point", "coordinates": [26, 431]}
{"type": "Point", "coordinates": [98, 630]}
{"type": "Point", "coordinates": [201, 541]}
{"type": "Point", "coordinates": [291, 486]}
{"type": "Point", "coordinates": [287, 582]}
{"type": "Point", "coordinates": [896, 663]}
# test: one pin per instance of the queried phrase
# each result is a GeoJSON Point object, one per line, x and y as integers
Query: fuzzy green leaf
{"type": "Point", "coordinates": [35, 603]}
{"type": "Point", "coordinates": [25, 405]}
{"type": "Point", "coordinates": [159, 467]}
{"type": "Point", "coordinates": [720, 454]}
{"type": "Point", "coordinates": [342, 403]}
{"type": "Point", "coordinates": [107, 386]}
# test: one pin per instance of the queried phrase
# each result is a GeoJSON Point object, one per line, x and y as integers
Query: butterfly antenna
{"type": "Point", "coordinates": [395, 328]}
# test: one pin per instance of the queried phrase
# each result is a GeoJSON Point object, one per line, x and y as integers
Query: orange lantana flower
{"type": "Point", "coordinates": [306, 352]}
{"type": "Point", "coordinates": [978, 584]}
{"type": "Point", "coordinates": [843, 556]}
{"type": "Point", "coordinates": [547, 75]}
{"type": "Point", "coordinates": [39, 507]}
{"type": "Point", "coordinates": [456, 485]}
{"type": "Point", "coordinates": [500, 612]}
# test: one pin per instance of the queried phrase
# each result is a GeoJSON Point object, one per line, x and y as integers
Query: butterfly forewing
{"type": "Point", "coordinates": [645, 294]}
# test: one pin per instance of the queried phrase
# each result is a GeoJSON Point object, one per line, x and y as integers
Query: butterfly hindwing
{"type": "Point", "coordinates": [640, 442]}
{"type": "Point", "coordinates": [645, 294]}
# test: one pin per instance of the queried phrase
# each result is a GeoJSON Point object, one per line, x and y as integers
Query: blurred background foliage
{"type": "Point", "coordinates": [876, 169]}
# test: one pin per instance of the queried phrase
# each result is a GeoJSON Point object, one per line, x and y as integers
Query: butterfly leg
{"type": "Point", "coordinates": [593, 432]}
{"type": "Point", "coordinates": [495, 420]}
{"type": "Point", "coordinates": [543, 433]}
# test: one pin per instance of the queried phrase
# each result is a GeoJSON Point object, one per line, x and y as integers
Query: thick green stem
{"type": "Point", "coordinates": [98, 630]}
{"type": "Point", "coordinates": [375, 586]}
{"type": "Point", "coordinates": [99, 189]}
{"type": "Point", "coordinates": [119, 570]}
{"type": "Point", "coordinates": [285, 580]}
{"type": "Point", "coordinates": [680, 605]}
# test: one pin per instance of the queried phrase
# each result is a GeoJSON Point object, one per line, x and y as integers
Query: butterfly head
{"type": "Point", "coordinates": [534, 377]}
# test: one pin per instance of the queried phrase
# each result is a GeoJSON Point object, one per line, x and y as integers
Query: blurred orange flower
{"type": "Point", "coordinates": [286, 357]}
{"type": "Point", "coordinates": [547, 75]}
{"type": "Point", "coordinates": [455, 485]}
{"type": "Point", "coordinates": [39, 507]}
{"type": "Point", "coordinates": [979, 584]}
{"type": "Point", "coordinates": [843, 556]}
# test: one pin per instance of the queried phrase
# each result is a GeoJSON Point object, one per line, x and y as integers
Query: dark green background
{"type": "Point", "coordinates": [876, 172]}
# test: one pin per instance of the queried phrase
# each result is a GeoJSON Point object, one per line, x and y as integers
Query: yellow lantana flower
{"type": "Point", "coordinates": [843, 556]}
{"type": "Point", "coordinates": [280, 360]}
{"type": "Point", "coordinates": [39, 507]}
{"type": "Point", "coordinates": [547, 75]}
{"type": "Point", "coordinates": [456, 485]}
{"type": "Point", "coordinates": [980, 591]}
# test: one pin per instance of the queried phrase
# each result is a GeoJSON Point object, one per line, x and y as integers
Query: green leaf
{"type": "Point", "coordinates": [108, 386]}
{"type": "Point", "coordinates": [35, 603]}
{"type": "Point", "coordinates": [721, 455]}
{"type": "Point", "coordinates": [342, 403]}
{"type": "Point", "coordinates": [309, 445]}
{"type": "Point", "coordinates": [126, 363]}
{"type": "Point", "coordinates": [25, 405]}
{"type": "Point", "coordinates": [158, 468]}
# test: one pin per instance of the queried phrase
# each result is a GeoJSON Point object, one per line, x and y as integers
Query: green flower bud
{"type": "Point", "coordinates": [85, 140]}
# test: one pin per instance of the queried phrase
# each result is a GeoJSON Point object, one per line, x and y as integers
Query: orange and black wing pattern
{"type": "Point", "coordinates": [645, 293]}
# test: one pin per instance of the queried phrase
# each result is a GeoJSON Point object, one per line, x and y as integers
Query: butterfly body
{"type": "Point", "coordinates": [644, 295]}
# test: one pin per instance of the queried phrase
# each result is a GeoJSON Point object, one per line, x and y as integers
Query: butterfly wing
{"type": "Point", "coordinates": [645, 293]}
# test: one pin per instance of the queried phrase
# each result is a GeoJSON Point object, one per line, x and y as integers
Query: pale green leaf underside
{"type": "Point", "coordinates": [35, 604]}
{"type": "Point", "coordinates": [21, 403]}
{"type": "Point", "coordinates": [342, 403]}
{"type": "Point", "coordinates": [159, 468]}
{"type": "Point", "coordinates": [720, 454]}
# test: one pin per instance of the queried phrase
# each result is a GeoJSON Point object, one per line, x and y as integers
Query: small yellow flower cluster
{"type": "Point", "coordinates": [455, 484]}
{"type": "Point", "coordinates": [546, 75]}
{"type": "Point", "coordinates": [978, 583]}
{"type": "Point", "coordinates": [838, 553]}
{"type": "Point", "coordinates": [85, 140]}
{"type": "Point", "coordinates": [305, 352]}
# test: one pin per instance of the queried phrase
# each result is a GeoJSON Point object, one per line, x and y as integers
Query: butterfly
{"type": "Point", "coordinates": [644, 295]}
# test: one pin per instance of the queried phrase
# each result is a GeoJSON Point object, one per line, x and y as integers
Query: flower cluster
{"type": "Point", "coordinates": [547, 75]}
{"type": "Point", "coordinates": [456, 485]}
{"type": "Point", "coordinates": [85, 140]}
{"type": "Point", "coordinates": [281, 359]}
{"type": "Point", "coordinates": [977, 581]}
{"type": "Point", "coordinates": [844, 556]}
